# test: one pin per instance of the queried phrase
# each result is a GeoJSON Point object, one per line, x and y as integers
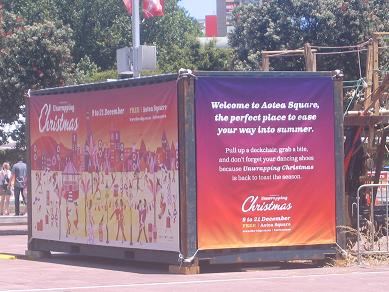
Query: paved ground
{"type": "Point", "coordinates": [12, 225]}
{"type": "Point", "coordinates": [74, 273]}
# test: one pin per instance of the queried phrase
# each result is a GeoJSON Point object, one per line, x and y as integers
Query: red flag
{"type": "Point", "coordinates": [152, 8]}
{"type": "Point", "coordinates": [128, 4]}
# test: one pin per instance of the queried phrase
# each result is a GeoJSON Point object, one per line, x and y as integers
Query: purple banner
{"type": "Point", "coordinates": [265, 161]}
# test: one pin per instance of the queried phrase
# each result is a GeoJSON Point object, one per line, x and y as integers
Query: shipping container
{"type": "Point", "coordinates": [204, 167]}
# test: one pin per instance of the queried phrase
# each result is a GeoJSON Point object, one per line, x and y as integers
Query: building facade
{"type": "Point", "coordinates": [224, 9]}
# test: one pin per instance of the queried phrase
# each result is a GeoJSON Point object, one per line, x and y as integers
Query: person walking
{"type": "Point", "coordinates": [5, 188]}
{"type": "Point", "coordinates": [19, 180]}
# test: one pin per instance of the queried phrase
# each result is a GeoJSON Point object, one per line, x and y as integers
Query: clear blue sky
{"type": "Point", "coordinates": [199, 8]}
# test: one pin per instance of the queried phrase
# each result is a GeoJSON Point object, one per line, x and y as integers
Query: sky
{"type": "Point", "coordinates": [199, 8]}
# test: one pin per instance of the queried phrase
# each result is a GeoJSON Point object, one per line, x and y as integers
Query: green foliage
{"type": "Point", "coordinates": [99, 26]}
{"type": "Point", "coordinates": [174, 35]}
{"type": "Point", "coordinates": [11, 155]}
{"type": "Point", "coordinates": [19, 134]}
{"type": "Point", "coordinates": [31, 57]}
{"type": "Point", "coordinates": [101, 76]}
{"type": "Point", "coordinates": [210, 58]}
{"type": "Point", "coordinates": [288, 24]}
{"type": "Point", "coordinates": [40, 40]}
{"type": "Point", "coordinates": [102, 26]}
{"type": "Point", "coordinates": [85, 69]}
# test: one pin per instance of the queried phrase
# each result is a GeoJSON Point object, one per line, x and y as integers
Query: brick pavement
{"type": "Point", "coordinates": [13, 229]}
{"type": "Point", "coordinates": [64, 272]}
{"type": "Point", "coordinates": [13, 225]}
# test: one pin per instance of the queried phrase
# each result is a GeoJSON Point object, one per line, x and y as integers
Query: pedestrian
{"type": "Point", "coordinates": [5, 188]}
{"type": "Point", "coordinates": [19, 180]}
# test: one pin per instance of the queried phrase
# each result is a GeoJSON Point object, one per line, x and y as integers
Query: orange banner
{"type": "Point", "coordinates": [104, 167]}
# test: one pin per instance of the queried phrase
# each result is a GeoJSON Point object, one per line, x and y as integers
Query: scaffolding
{"type": "Point", "coordinates": [366, 109]}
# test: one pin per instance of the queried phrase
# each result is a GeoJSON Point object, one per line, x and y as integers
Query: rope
{"type": "Point", "coordinates": [350, 86]}
{"type": "Point", "coordinates": [340, 52]}
{"type": "Point", "coordinates": [348, 156]}
{"type": "Point", "coordinates": [182, 259]}
{"type": "Point", "coordinates": [352, 81]}
{"type": "Point", "coordinates": [342, 250]}
{"type": "Point", "coordinates": [355, 94]}
{"type": "Point", "coordinates": [342, 47]}
{"type": "Point", "coordinates": [359, 65]}
{"type": "Point", "coordinates": [284, 53]}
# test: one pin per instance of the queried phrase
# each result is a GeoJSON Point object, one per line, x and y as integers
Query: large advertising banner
{"type": "Point", "coordinates": [265, 161]}
{"type": "Point", "coordinates": [104, 167]}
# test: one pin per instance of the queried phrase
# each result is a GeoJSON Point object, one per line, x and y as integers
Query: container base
{"type": "Point", "coordinates": [184, 270]}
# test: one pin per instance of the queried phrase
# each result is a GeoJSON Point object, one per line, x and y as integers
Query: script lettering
{"type": "Point", "coordinates": [250, 205]}
{"type": "Point", "coordinates": [54, 123]}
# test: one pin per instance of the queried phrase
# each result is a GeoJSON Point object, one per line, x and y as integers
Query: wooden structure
{"type": "Point", "coordinates": [370, 123]}
{"type": "Point", "coordinates": [307, 52]}
{"type": "Point", "coordinates": [368, 117]}
{"type": "Point", "coordinates": [375, 115]}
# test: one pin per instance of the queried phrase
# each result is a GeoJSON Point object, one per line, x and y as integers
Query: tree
{"type": "Point", "coordinates": [31, 57]}
{"type": "Point", "coordinates": [288, 24]}
{"type": "Point", "coordinates": [99, 26]}
{"type": "Point", "coordinates": [211, 58]}
{"type": "Point", "coordinates": [43, 37]}
{"type": "Point", "coordinates": [102, 26]}
{"type": "Point", "coordinates": [174, 34]}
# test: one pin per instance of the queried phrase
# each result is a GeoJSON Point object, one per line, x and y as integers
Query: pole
{"type": "Point", "coordinates": [310, 58]}
{"type": "Point", "coordinates": [375, 71]}
{"type": "Point", "coordinates": [265, 62]}
{"type": "Point", "coordinates": [135, 37]}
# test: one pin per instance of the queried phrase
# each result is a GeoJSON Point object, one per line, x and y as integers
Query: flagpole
{"type": "Point", "coordinates": [135, 37]}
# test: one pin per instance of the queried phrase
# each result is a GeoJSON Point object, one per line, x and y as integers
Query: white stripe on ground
{"type": "Point", "coordinates": [364, 273]}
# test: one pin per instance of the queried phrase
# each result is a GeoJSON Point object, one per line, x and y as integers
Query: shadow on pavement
{"type": "Point", "coordinates": [102, 263]}
{"type": "Point", "coordinates": [157, 268]}
{"type": "Point", "coordinates": [208, 268]}
{"type": "Point", "coordinates": [20, 245]}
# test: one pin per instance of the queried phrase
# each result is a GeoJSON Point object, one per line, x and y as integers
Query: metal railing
{"type": "Point", "coordinates": [375, 216]}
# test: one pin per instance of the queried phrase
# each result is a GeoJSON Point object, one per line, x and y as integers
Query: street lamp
{"type": "Point", "coordinates": [135, 37]}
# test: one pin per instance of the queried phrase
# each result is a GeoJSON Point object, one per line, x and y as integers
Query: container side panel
{"type": "Point", "coordinates": [104, 167]}
{"type": "Point", "coordinates": [265, 161]}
